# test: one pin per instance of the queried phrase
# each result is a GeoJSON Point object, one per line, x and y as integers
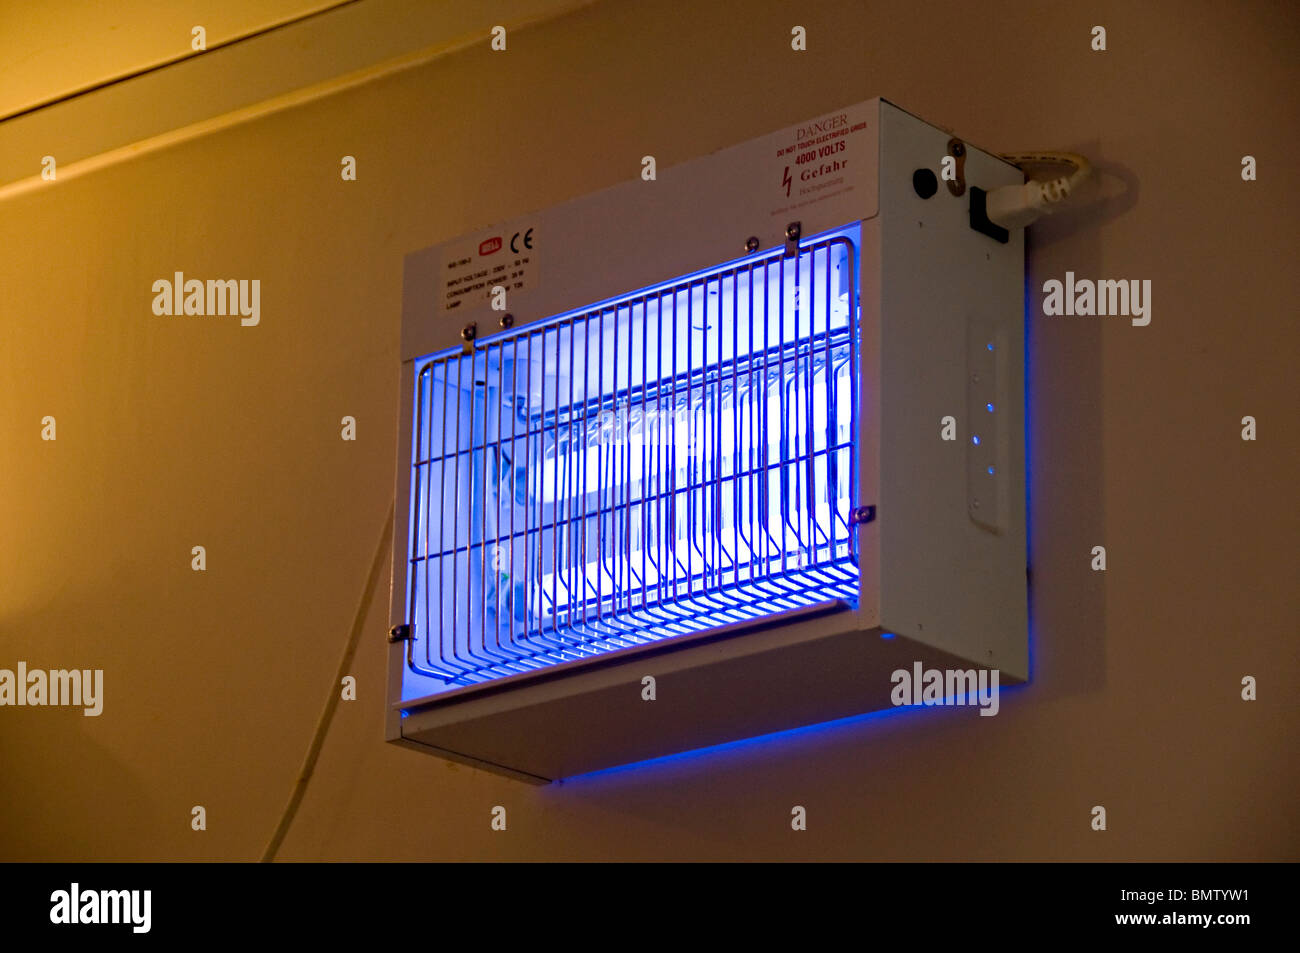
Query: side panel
{"type": "Point", "coordinates": [952, 533]}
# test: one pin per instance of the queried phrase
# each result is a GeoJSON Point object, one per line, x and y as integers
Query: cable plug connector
{"type": "Point", "coordinates": [1015, 206]}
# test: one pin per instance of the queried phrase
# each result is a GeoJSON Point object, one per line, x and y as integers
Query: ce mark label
{"type": "Point", "coordinates": [527, 240]}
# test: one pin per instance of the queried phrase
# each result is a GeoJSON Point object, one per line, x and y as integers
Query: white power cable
{"type": "Point", "coordinates": [1015, 206]}
{"type": "Point", "coordinates": [332, 699]}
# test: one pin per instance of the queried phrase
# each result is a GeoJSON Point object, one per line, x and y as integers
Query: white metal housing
{"type": "Point", "coordinates": [941, 553]}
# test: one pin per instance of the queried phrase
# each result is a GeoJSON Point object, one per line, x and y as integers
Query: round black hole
{"type": "Point", "coordinates": [925, 183]}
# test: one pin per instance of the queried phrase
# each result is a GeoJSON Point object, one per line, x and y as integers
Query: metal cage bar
{"type": "Point", "coordinates": [676, 460]}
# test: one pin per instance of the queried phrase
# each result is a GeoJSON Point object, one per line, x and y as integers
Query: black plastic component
{"type": "Point", "coordinates": [979, 219]}
{"type": "Point", "coordinates": [925, 183]}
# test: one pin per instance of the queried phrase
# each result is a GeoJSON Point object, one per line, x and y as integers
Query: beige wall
{"type": "Point", "coordinates": [61, 47]}
{"type": "Point", "coordinates": [173, 433]}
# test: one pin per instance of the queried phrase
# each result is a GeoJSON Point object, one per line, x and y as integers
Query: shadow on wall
{"type": "Point", "coordinates": [1065, 453]}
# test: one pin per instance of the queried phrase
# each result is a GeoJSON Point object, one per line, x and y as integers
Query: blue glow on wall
{"type": "Point", "coordinates": [792, 740]}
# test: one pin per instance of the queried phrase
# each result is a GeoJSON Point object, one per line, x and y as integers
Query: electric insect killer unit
{"type": "Point", "coordinates": [674, 468]}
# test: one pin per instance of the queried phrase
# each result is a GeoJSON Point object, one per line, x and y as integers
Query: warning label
{"type": "Point", "coordinates": [820, 159]}
{"type": "Point", "coordinates": [490, 266]}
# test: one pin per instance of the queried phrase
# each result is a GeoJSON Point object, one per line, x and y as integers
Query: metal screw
{"type": "Point", "coordinates": [507, 320]}
{"type": "Point", "coordinates": [468, 331]}
{"type": "Point", "coordinates": [958, 149]}
{"type": "Point", "coordinates": [751, 244]}
{"type": "Point", "coordinates": [792, 231]}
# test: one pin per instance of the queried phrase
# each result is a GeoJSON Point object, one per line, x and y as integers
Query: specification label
{"type": "Point", "coordinates": [475, 270]}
